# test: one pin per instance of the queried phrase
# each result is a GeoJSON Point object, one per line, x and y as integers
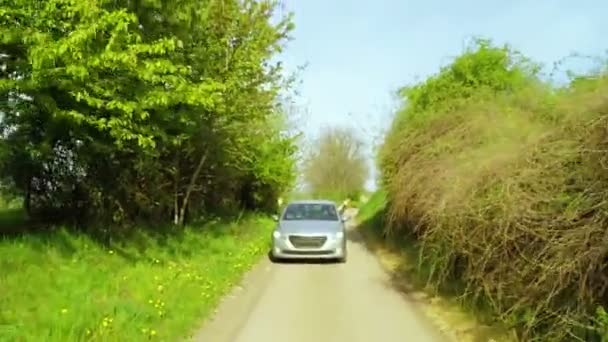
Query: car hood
{"type": "Point", "coordinates": [309, 227]}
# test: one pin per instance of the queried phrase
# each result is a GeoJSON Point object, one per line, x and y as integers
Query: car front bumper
{"type": "Point", "coordinates": [333, 248]}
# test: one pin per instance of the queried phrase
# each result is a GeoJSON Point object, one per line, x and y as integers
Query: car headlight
{"type": "Point", "coordinates": [276, 234]}
{"type": "Point", "coordinates": [339, 235]}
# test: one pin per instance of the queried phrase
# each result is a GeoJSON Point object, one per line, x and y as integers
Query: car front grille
{"type": "Point", "coordinates": [299, 241]}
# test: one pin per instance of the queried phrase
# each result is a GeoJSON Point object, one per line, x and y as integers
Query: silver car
{"type": "Point", "coordinates": [310, 229]}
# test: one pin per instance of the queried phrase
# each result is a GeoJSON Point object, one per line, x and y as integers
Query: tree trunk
{"type": "Point", "coordinates": [182, 211]}
{"type": "Point", "coordinates": [176, 191]}
{"type": "Point", "coordinates": [176, 207]}
{"type": "Point", "coordinates": [27, 200]}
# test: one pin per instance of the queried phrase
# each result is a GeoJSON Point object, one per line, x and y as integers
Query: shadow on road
{"type": "Point", "coordinates": [399, 257]}
{"type": "Point", "coordinates": [402, 277]}
{"type": "Point", "coordinates": [307, 261]}
{"type": "Point", "coordinates": [400, 264]}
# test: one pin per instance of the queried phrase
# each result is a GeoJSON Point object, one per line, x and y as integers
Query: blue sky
{"type": "Point", "coordinates": [359, 52]}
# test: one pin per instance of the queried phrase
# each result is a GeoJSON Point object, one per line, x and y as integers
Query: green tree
{"type": "Point", "coordinates": [123, 110]}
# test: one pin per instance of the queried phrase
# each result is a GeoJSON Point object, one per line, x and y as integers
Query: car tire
{"type": "Point", "coordinates": [272, 258]}
{"type": "Point", "coordinates": [342, 260]}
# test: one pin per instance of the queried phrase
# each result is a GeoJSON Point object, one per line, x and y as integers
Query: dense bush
{"type": "Point", "coordinates": [115, 111]}
{"type": "Point", "coordinates": [503, 180]}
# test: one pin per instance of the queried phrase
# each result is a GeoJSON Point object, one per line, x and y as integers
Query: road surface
{"type": "Point", "coordinates": [312, 302]}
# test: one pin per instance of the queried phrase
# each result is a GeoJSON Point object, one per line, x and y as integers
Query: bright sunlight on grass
{"type": "Point", "coordinates": [68, 287]}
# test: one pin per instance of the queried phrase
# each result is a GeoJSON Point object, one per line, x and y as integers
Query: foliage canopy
{"type": "Point", "coordinates": [147, 109]}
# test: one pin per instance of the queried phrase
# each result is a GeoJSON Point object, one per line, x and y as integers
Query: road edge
{"type": "Point", "coordinates": [431, 326]}
{"type": "Point", "coordinates": [237, 303]}
{"type": "Point", "coordinates": [386, 266]}
{"type": "Point", "coordinates": [427, 302]}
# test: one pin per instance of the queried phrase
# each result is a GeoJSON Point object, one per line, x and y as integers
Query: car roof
{"type": "Point", "coordinates": [312, 202]}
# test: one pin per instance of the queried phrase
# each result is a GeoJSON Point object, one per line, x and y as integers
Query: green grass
{"type": "Point", "coordinates": [373, 209]}
{"type": "Point", "coordinates": [10, 202]}
{"type": "Point", "coordinates": [12, 216]}
{"type": "Point", "coordinates": [64, 286]}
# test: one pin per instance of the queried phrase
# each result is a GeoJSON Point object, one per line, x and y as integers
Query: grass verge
{"type": "Point", "coordinates": [64, 286]}
{"type": "Point", "coordinates": [460, 320]}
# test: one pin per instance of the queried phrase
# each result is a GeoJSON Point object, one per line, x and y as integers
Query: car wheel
{"type": "Point", "coordinates": [272, 258]}
{"type": "Point", "coordinates": [342, 260]}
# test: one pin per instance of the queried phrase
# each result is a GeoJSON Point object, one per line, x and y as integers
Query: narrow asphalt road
{"type": "Point", "coordinates": [319, 302]}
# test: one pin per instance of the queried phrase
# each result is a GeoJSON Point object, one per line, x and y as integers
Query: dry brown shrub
{"type": "Point", "coordinates": [510, 195]}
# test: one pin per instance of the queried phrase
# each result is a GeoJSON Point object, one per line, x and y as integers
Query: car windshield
{"type": "Point", "coordinates": [310, 211]}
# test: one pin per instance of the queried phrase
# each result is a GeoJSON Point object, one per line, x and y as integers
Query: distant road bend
{"type": "Point", "coordinates": [327, 302]}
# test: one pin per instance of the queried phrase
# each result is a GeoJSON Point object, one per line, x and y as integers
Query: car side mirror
{"type": "Point", "coordinates": [275, 218]}
{"type": "Point", "coordinates": [344, 218]}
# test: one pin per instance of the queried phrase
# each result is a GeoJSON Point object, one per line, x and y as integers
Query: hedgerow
{"type": "Point", "coordinates": [503, 180]}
